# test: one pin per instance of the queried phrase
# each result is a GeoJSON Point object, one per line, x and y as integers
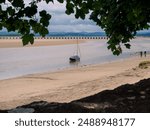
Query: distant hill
{"type": "Point", "coordinates": [144, 34]}
{"type": "Point", "coordinates": [77, 34]}
{"type": "Point", "coordinates": [61, 34]}
{"type": "Point", "coordinates": [4, 33]}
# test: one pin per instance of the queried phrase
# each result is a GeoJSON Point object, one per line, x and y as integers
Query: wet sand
{"type": "Point", "coordinates": [70, 84]}
{"type": "Point", "coordinates": [9, 43]}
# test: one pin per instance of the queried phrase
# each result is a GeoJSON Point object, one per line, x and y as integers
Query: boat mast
{"type": "Point", "coordinates": [77, 46]}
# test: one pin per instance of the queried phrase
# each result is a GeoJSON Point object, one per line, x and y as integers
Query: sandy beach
{"type": "Point", "coordinates": [9, 43]}
{"type": "Point", "coordinates": [70, 84]}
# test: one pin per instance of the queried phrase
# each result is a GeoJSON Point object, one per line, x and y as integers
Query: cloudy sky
{"type": "Point", "coordinates": [61, 22]}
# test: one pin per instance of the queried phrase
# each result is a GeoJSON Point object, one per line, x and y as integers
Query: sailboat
{"type": "Point", "coordinates": [76, 57]}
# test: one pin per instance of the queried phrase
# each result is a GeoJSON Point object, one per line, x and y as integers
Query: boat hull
{"type": "Point", "coordinates": [75, 58]}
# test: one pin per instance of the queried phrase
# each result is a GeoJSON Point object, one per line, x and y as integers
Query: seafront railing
{"type": "Point", "coordinates": [58, 37]}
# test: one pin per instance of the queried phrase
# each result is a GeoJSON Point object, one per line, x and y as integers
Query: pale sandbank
{"type": "Point", "coordinates": [70, 84]}
{"type": "Point", "coordinates": [9, 43]}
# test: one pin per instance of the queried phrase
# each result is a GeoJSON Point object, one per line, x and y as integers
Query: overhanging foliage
{"type": "Point", "coordinates": [120, 19]}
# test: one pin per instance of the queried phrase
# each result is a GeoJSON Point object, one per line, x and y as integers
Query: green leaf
{"type": "Point", "coordinates": [116, 52]}
{"type": "Point", "coordinates": [43, 31]}
{"type": "Point", "coordinates": [69, 8]}
{"type": "Point", "coordinates": [47, 1]}
{"type": "Point", "coordinates": [80, 13]}
{"type": "Point", "coordinates": [30, 11]}
{"type": "Point", "coordinates": [60, 1]}
{"type": "Point", "coordinates": [2, 1]}
{"type": "Point", "coordinates": [42, 13]}
{"type": "Point", "coordinates": [127, 46]}
{"type": "Point", "coordinates": [27, 38]}
{"type": "Point", "coordinates": [36, 27]}
{"type": "Point", "coordinates": [45, 20]}
{"type": "Point", "coordinates": [18, 3]}
{"type": "Point", "coordinates": [11, 11]}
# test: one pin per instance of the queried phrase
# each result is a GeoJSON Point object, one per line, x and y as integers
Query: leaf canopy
{"type": "Point", "coordinates": [120, 19]}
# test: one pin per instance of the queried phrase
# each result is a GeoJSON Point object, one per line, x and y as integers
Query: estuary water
{"type": "Point", "coordinates": [15, 62]}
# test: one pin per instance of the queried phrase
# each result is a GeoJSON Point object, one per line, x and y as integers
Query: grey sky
{"type": "Point", "coordinates": [61, 22]}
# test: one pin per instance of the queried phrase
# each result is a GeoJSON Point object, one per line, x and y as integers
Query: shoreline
{"type": "Point", "coordinates": [15, 43]}
{"type": "Point", "coordinates": [74, 68]}
{"type": "Point", "coordinates": [70, 84]}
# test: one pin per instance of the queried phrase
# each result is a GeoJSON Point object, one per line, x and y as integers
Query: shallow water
{"type": "Point", "coordinates": [15, 62]}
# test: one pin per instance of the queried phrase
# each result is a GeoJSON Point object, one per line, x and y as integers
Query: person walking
{"type": "Point", "coordinates": [145, 53]}
{"type": "Point", "coordinates": [141, 54]}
